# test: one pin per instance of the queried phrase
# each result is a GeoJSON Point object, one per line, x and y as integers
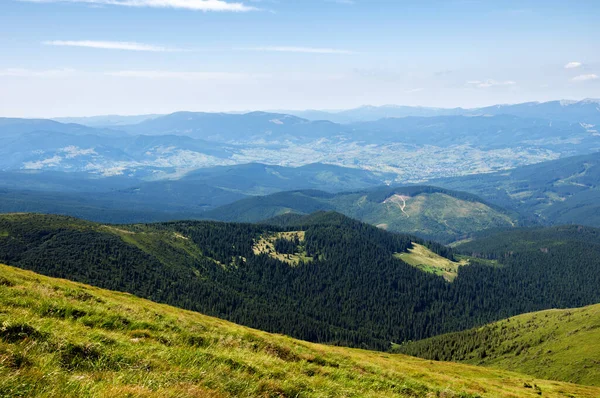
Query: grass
{"type": "Point", "coordinates": [469, 259]}
{"type": "Point", "coordinates": [266, 245]}
{"type": "Point", "coordinates": [426, 260]}
{"type": "Point", "coordinates": [555, 344]}
{"type": "Point", "coordinates": [63, 339]}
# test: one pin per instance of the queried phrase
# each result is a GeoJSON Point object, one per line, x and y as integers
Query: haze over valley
{"type": "Point", "coordinates": [407, 149]}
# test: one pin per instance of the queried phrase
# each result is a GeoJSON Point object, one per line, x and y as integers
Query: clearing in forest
{"type": "Point", "coordinates": [266, 245]}
{"type": "Point", "coordinates": [426, 260]}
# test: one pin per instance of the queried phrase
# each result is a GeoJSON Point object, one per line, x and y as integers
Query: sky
{"type": "Point", "coordinates": [97, 57]}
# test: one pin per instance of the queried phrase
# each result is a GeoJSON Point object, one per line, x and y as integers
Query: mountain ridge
{"type": "Point", "coordinates": [423, 210]}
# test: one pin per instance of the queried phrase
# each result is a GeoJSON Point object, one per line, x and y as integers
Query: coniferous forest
{"type": "Point", "coordinates": [349, 290]}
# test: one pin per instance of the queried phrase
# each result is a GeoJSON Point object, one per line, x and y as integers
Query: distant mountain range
{"type": "Point", "coordinates": [563, 110]}
{"type": "Point", "coordinates": [186, 165]}
{"type": "Point", "coordinates": [109, 121]}
{"type": "Point", "coordinates": [585, 111]}
{"type": "Point", "coordinates": [410, 149]}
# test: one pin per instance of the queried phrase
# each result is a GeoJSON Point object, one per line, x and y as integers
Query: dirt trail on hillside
{"type": "Point", "coordinates": [400, 201]}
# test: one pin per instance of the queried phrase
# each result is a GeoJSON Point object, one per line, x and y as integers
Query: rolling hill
{"type": "Point", "coordinates": [429, 212]}
{"type": "Point", "coordinates": [564, 191]}
{"type": "Point", "coordinates": [59, 338]}
{"type": "Point", "coordinates": [554, 344]}
{"type": "Point", "coordinates": [260, 179]}
{"type": "Point", "coordinates": [345, 282]}
{"type": "Point", "coordinates": [226, 127]}
{"type": "Point", "coordinates": [122, 199]}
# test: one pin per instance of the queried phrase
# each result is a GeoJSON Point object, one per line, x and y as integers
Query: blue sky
{"type": "Point", "coordinates": [89, 57]}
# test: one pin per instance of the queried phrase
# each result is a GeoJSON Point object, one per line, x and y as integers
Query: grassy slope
{"type": "Point", "coordinates": [424, 259]}
{"type": "Point", "coordinates": [555, 344]}
{"type": "Point", "coordinates": [63, 339]}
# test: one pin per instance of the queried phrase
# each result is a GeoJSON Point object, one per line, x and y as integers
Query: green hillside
{"type": "Point", "coordinates": [429, 212]}
{"type": "Point", "coordinates": [563, 191]}
{"type": "Point", "coordinates": [64, 339]}
{"type": "Point", "coordinates": [554, 344]}
{"type": "Point", "coordinates": [421, 257]}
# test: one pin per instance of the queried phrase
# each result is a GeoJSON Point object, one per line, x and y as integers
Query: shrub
{"type": "Point", "coordinates": [89, 357]}
{"type": "Point", "coordinates": [13, 333]}
{"type": "Point", "coordinates": [6, 282]}
{"type": "Point", "coordinates": [79, 356]}
{"type": "Point", "coordinates": [51, 310]}
{"type": "Point", "coordinates": [14, 360]}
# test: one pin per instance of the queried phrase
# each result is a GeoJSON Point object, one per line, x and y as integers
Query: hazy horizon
{"type": "Point", "coordinates": [332, 110]}
{"type": "Point", "coordinates": [71, 58]}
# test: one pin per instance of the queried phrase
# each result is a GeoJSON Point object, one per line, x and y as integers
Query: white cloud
{"type": "Point", "coordinates": [584, 78]}
{"type": "Point", "coordinates": [414, 90]}
{"type": "Point", "coordinates": [110, 45]}
{"type": "Point", "coordinates": [154, 74]}
{"type": "Point", "coordinates": [20, 72]}
{"type": "Point", "coordinates": [490, 83]}
{"type": "Point", "coordinates": [573, 65]}
{"type": "Point", "coordinates": [196, 5]}
{"type": "Point", "coordinates": [308, 50]}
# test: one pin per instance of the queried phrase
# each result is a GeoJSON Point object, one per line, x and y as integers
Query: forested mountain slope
{"type": "Point", "coordinates": [64, 339]}
{"type": "Point", "coordinates": [554, 344]}
{"type": "Point", "coordinates": [430, 212]}
{"type": "Point", "coordinates": [564, 191]}
{"type": "Point", "coordinates": [342, 280]}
